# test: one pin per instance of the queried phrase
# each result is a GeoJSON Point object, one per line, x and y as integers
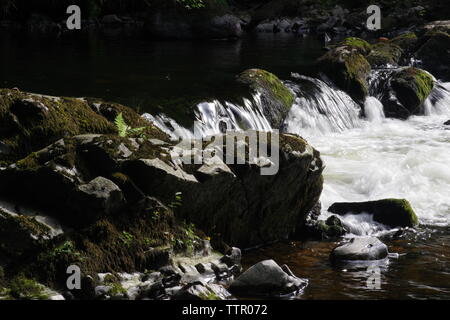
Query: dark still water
{"type": "Point", "coordinates": [421, 270]}
{"type": "Point", "coordinates": [144, 74]}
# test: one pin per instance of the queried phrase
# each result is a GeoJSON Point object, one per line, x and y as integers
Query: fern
{"type": "Point", "coordinates": [125, 130]}
{"type": "Point", "coordinates": [121, 125]}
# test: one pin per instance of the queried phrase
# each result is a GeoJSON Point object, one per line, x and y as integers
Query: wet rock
{"type": "Point", "coordinates": [447, 123]}
{"type": "Point", "coordinates": [385, 53]}
{"type": "Point", "coordinates": [21, 235]}
{"type": "Point", "coordinates": [347, 68]}
{"type": "Point", "coordinates": [390, 212]}
{"type": "Point", "coordinates": [440, 25]}
{"type": "Point", "coordinates": [202, 291]}
{"type": "Point", "coordinates": [434, 52]}
{"type": "Point", "coordinates": [276, 98]}
{"type": "Point", "coordinates": [360, 249]}
{"type": "Point", "coordinates": [411, 86]}
{"type": "Point", "coordinates": [266, 278]}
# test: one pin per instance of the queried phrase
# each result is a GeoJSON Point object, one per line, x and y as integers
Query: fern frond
{"type": "Point", "coordinates": [121, 125]}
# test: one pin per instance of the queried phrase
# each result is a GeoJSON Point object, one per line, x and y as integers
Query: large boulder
{"type": "Point", "coordinates": [347, 68]}
{"type": "Point", "coordinates": [91, 172]}
{"type": "Point", "coordinates": [259, 208]}
{"type": "Point", "coordinates": [276, 98]}
{"type": "Point", "coordinates": [390, 212]}
{"type": "Point", "coordinates": [267, 278]}
{"type": "Point", "coordinates": [360, 249]}
{"type": "Point", "coordinates": [434, 53]}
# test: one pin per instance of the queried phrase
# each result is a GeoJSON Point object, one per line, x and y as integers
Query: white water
{"type": "Point", "coordinates": [366, 159]}
{"type": "Point", "coordinates": [389, 158]}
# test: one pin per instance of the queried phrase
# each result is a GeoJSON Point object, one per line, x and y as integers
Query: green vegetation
{"type": "Point", "coordinates": [361, 45]}
{"type": "Point", "coordinates": [412, 86]}
{"type": "Point", "coordinates": [125, 130]}
{"type": "Point", "coordinates": [23, 288]}
{"type": "Point", "coordinates": [384, 53]}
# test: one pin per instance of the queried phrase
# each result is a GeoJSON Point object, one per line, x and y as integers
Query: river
{"type": "Point", "coordinates": [365, 159]}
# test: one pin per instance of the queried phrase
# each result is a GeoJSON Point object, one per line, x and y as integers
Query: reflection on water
{"type": "Point", "coordinates": [421, 271]}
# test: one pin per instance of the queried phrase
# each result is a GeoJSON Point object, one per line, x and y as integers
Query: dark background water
{"type": "Point", "coordinates": [146, 74]}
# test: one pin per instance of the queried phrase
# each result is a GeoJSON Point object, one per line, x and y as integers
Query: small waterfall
{"type": "Point", "coordinates": [438, 102]}
{"type": "Point", "coordinates": [319, 108]}
{"type": "Point", "coordinates": [216, 117]}
{"type": "Point", "coordinates": [373, 110]}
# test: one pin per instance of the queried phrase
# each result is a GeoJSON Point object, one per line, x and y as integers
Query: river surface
{"type": "Point", "coordinates": [366, 159]}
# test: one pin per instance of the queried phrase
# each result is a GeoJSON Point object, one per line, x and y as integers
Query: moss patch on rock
{"type": "Point", "coordinates": [406, 41]}
{"type": "Point", "coordinates": [361, 45]}
{"type": "Point", "coordinates": [391, 212]}
{"type": "Point", "coordinates": [348, 69]}
{"type": "Point", "coordinates": [384, 53]}
{"type": "Point", "coordinates": [276, 97]}
{"type": "Point", "coordinates": [412, 86]}
{"type": "Point", "coordinates": [30, 122]}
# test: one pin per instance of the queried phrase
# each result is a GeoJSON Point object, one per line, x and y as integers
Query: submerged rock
{"type": "Point", "coordinates": [267, 278]}
{"type": "Point", "coordinates": [360, 249]}
{"type": "Point", "coordinates": [390, 212]}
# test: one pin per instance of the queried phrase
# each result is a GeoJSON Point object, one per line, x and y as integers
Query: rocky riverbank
{"type": "Point", "coordinates": [220, 19]}
{"type": "Point", "coordinates": [89, 183]}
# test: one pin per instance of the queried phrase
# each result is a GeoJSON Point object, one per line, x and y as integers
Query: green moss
{"type": "Point", "coordinates": [263, 80]}
{"type": "Point", "coordinates": [31, 122]}
{"type": "Point", "coordinates": [412, 86]}
{"type": "Point", "coordinates": [209, 296]}
{"type": "Point", "coordinates": [406, 209]}
{"type": "Point", "coordinates": [384, 53]}
{"type": "Point", "coordinates": [405, 41]}
{"type": "Point", "coordinates": [348, 69]}
{"type": "Point", "coordinates": [26, 289]}
{"type": "Point", "coordinates": [361, 45]}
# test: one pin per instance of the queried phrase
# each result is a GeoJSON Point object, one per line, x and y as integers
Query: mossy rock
{"type": "Point", "coordinates": [348, 69]}
{"type": "Point", "coordinates": [412, 86]}
{"type": "Point", "coordinates": [30, 122]}
{"type": "Point", "coordinates": [361, 45]}
{"type": "Point", "coordinates": [406, 41]}
{"type": "Point", "coordinates": [434, 52]}
{"type": "Point", "coordinates": [276, 98]}
{"type": "Point", "coordinates": [390, 212]}
{"type": "Point", "coordinates": [23, 288]}
{"type": "Point", "coordinates": [21, 235]}
{"type": "Point", "coordinates": [384, 53]}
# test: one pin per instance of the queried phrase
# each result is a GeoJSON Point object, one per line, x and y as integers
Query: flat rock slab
{"type": "Point", "coordinates": [360, 249]}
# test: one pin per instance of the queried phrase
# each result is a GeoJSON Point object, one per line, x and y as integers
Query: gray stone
{"type": "Point", "coordinates": [266, 278]}
{"type": "Point", "coordinates": [358, 249]}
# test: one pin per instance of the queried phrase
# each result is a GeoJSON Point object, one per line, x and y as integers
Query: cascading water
{"type": "Point", "coordinates": [320, 108]}
{"type": "Point", "coordinates": [367, 158]}
{"type": "Point", "coordinates": [215, 117]}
